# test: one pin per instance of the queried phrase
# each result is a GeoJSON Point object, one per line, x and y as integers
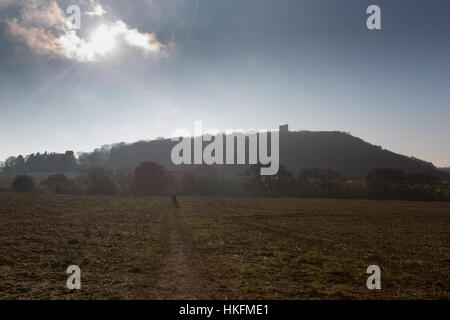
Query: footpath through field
{"type": "Point", "coordinates": [178, 277]}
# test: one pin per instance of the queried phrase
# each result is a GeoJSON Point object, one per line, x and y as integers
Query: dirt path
{"type": "Point", "coordinates": [179, 278]}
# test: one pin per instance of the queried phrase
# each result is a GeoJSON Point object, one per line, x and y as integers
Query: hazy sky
{"type": "Point", "coordinates": [141, 69]}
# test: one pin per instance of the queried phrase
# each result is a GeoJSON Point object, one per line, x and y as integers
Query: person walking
{"type": "Point", "coordinates": [175, 201]}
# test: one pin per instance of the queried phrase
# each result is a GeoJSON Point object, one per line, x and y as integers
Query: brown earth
{"type": "Point", "coordinates": [179, 276]}
{"type": "Point", "coordinates": [221, 248]}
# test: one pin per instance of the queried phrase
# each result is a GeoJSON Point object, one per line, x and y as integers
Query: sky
{"type": "Point", "coordinates": [141, 69]}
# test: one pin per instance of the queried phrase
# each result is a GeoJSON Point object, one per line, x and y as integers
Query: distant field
{"type": "Point", "coordinates": [218, 248]}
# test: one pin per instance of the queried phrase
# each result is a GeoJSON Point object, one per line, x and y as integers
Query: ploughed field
{"type": "Point", "coordinates": [221, 248]}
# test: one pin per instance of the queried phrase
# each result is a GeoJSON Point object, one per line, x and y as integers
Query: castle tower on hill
{"type": "Point", "coordinates": [284, 128]}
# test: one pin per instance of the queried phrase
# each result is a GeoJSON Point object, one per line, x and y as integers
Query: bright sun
{"type": "Point", "coordinates": [103, 39]}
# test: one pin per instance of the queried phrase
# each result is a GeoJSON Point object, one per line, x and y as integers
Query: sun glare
{"type": "Point", "coordinates": [103, 39]}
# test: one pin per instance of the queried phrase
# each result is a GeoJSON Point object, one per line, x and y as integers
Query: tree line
{"type": "Point", "coordinates": [147, 179]}
{"type": "Point", "coordinates": [41, 162]}
{"type": "Point", "coordinates": [383, 184]}
{"type": "Point", "coordinates": [152, 179]}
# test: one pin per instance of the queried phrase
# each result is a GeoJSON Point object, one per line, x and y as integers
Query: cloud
{"type": "Point", "coordinates": [45, 29]}
{"type": "Point", "coordinates": [97, 10]}
{"type": "Point", "coordinates": [104, 39]}
{"type": "Point", "coordinates": [38, 39]}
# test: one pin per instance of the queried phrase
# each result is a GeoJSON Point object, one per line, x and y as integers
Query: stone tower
{"type": "Point", "coordinates": [284, 128]}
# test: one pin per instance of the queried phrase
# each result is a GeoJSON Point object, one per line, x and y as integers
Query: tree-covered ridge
{"type": "Point", "coordinates": [45, 162]}
{"type": "Point", "coordinates": [350, 155]}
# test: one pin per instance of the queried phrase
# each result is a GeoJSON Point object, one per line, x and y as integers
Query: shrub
{"type": "Point", "coordinates": [99, 181]}
{"type": "Point", "coordinates": [23, 183]}
{"type": "Point", "coordinates": [60, 184]}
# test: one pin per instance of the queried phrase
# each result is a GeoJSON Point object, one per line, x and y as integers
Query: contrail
{"type": "Point", "coordinates": [193, 17]}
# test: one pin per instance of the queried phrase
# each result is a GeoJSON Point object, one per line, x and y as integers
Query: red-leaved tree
{"type": "Point", "coordinates": [150, 178]}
